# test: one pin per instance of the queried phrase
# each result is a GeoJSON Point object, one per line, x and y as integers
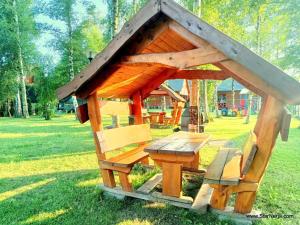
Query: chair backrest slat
{"type": "Point", "coordinates": [120, 137]}
{"type": "Point", "coordinates": [249, 150]}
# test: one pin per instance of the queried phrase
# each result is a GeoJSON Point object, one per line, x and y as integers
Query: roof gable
{"type": "Point", "coordinates": [245, 66]}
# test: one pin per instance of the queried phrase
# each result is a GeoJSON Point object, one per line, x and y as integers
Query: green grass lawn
{"type": "Point", "coordinates": [48, 175]}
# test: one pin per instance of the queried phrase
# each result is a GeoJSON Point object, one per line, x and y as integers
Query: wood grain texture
{"type": "Point", "coordinates": [231, 173]}
{"type": "Point", "coordinates": [215, 169]}
{"type": "Point", "coordinates": [249, 151]}
{"type": "Point", "coordinates": [181, 60]}
{"type": "Point", "coordinates": [200, 75]}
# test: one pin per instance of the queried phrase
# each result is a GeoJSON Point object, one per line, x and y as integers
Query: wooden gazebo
{"type": "Point", "coordinates": [164, 41]}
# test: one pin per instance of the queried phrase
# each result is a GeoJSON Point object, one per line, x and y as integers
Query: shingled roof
{"type": "Point", "coordinates": [160, 42]}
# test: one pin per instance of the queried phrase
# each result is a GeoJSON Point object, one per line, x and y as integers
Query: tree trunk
{"type": "Point", "coordinates": [71, 56]}
{"type": "Point", "coordinates": [18, 107]}
{"type": "Point", "coordinates": [115, 17]}
{"type": "Point", "coordinates": [205, 101]}
{"type": "Point", "coordinates": [258, 47]}
{"type": "Point", "coordinates": [216, 100]}
{"type": "Point", "coordinates": [163, 105]}
{"type": "Point", "coordinates": [135, 6]}
{"type": "Point", "coordinates": [21, 64]}
{"type": "Point", "coordinates": [247, 120]}
{"type": "Point", "coordinates": [8, 108]}
{"type": "Point", "coordinates": [197, 9]}
{"type": "Point", "coordinates": [233, 95]}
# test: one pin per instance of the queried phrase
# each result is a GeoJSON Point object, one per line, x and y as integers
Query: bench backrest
{"type": "Point", "coordinates": [249, 150]}
{"type": "Point", "coordinates": [120, 137]}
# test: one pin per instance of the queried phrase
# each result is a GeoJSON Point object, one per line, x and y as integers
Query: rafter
{"type": "Point", "coordinates": [165, 75]}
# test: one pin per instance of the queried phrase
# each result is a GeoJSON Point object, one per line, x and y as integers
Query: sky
{"type": "Point", "coordinates": [45, 38]}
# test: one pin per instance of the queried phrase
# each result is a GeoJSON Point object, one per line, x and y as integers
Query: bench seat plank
{"type": "Point", "coordinates": [225, 168]}
{"type": "Point", "coordinates": [231, 172]}
{"type": "Point", "coordinates": [215, 169]}
{"type": "Point", "coordinates": [127, 159]}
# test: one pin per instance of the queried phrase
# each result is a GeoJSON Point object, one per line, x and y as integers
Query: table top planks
{"type": "Point", "coordinates": [179, 143]}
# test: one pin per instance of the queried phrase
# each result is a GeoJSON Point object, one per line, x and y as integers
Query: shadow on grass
{"type": "Point", "coordinates": [71, 198]}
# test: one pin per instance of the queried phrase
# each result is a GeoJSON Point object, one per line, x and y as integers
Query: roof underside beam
{"type": "Point", "coordinates": [201, 75]}
{"type": "Point", "coordinates": [181, 60]}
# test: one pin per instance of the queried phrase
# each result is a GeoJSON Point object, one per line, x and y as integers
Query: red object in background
{"type": "Point", "coordinates": [242, 103]}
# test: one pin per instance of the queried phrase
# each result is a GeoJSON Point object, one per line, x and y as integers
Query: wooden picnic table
{"type": "Point", "coordinates": [174, 152]}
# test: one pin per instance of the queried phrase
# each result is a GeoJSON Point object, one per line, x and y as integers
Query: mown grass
{"type": "Point", "coordinates": [48, 175]}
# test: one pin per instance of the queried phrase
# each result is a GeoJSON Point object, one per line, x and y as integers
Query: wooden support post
{"type": "Point", "coordinates": [267, 129]}
{"type": "Point", "coordinates": [194, 107]}
{"type": "Point", "coordinates": [244, 202]}
{"type": "Point", "coordinates": [125, 181]}
{"type": "Point", "coordinates": [219, 198]}
{"type": "Point", "coordinates": [96, 124]}
{"type": "Point", "coordinates": [172, 179]}
{"type": "Point", "coordinates": [137, 108]}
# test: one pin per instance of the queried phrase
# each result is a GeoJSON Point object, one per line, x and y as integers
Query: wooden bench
{"type": "Point", "coordinates": [225, 174]}
{"type": "Point", "coordinates": [113, 139]}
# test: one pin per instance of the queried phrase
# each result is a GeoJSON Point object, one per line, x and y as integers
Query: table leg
{"type": "Point", "coordinates": [172, 179]}
{"type": "Point", "coordinates": [196, 161]}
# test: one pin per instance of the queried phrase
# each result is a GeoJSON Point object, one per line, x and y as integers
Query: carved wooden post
{"type": "Point", "coordinates": [267, 129]}
{"type": "Point", "coordinates": [96, 124]}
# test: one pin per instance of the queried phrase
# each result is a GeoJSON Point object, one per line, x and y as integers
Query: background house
{"type": "Point", "coordinates": [240, 102]}
{"type": "Point", "coordinates": [163, 94]}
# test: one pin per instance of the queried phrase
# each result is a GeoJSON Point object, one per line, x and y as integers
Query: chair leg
{"type": "Point", "coordinates": [125, 181]}
{"type": "Point", "coordinates": [219, 198]}
{"type": "Point", "coordinates": [108, 178]}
